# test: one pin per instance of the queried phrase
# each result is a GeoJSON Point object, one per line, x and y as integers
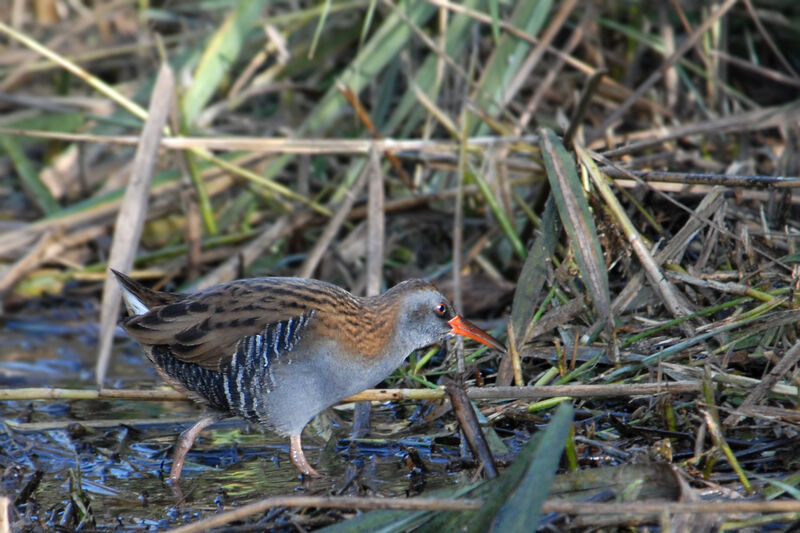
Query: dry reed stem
{"type": "Point", "coordinates": [383, 395]}
{"type": "Point", "coordinates": [446, 504]}
{"type": "Point", "coordinates": [330, 502]}
{"type": "Point", "coordinates": [333, 226]}
{"type": "Point", "coordinates": [766, 384]}
{"type": "Point", "coordinates": [5, 521]}
{"type": "Point", "coordinates": [132, 213]}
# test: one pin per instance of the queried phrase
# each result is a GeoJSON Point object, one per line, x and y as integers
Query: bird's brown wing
{"type": "Point", "coordinates": [205, 327]}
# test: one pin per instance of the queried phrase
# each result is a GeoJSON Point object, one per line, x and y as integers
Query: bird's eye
{"type": "Point", "coordinates": [440, 309]}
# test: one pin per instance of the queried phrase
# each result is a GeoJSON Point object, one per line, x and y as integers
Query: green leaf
{"type": "Point", "coordinates": [522, 510]}
{"type": "Point", "coordinates": [496, 444]}
{"type": "Point", "coordinates": [219, 56]}
{"type": "Point", "coordinates": [326, 8]}
{"type": "Point", "coordinates": [494, 10]}
{"type": "Point", "coordinates": [573, 208]}
{"type": "Point", "coordinates": [367, 21]}
{"type": "Point", "coordinates": [498, 211]}
{"type": "Point", "coordinates": [39, 193]}
{"type": "Point", "coordinates": [507, 57]}
{"type": "Point", "coordinates": [534, 273]}
{"type": "Point", "coordinates": [65, 122]}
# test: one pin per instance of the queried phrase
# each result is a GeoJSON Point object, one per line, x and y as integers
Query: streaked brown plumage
{"type": "Point", "coordinates": [277, 351]}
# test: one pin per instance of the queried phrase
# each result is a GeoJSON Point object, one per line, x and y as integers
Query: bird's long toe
{"type": "Point", "coordinates": [184, 444]}
{"type": "Point", "coordinates": [298, 458]}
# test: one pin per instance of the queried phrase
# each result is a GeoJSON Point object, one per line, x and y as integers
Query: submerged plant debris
{"type": "Point", "coordinates": [607, 187]}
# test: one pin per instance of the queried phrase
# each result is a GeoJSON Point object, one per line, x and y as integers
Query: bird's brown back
{"type": "Point", "coordinates": [205, 327]}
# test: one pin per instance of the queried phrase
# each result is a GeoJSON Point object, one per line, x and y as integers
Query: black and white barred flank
{"type": "Point", "coordinates": [242, 384]}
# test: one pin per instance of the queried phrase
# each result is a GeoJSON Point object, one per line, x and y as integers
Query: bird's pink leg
{"type": "Point", "coordinates": [184, 444]}
{"type": "Point", "coordinates": [298, 457]}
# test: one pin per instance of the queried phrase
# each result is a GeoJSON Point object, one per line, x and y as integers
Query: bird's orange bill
{"type": "Point", "coordinates": [462, 326]}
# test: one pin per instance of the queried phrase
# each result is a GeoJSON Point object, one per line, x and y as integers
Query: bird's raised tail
{"type": "Point", "coordinates": [140, 299]}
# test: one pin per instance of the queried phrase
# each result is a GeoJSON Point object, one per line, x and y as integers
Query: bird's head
{"type": "Point", "coordinates": [425, 317]}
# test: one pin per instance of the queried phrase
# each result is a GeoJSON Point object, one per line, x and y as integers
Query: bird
{"type": "Point", "coordinates": [276, 351]}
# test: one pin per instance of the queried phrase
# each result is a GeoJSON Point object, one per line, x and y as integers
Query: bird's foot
{"type": "Point", "coordinates": [298, 458]}
{"type": "Point", "coordinates": [184, 444]}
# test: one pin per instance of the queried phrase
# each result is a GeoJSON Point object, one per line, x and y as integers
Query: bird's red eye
{"type": "Point", "coordinates": [440, 309]}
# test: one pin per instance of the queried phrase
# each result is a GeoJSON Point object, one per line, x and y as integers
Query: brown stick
{"type": "Point", "coordinates": [339, 502]}
{"type": "Point", "coordinates": [445, 504]}
{"type": "Point", "coordinates": [132, 213]}
{"type": "Point", "coordinates": [470, 426]}
{"type": "Point", "coordinates": [761, 390]}
{"type": "Point", "coordinates": [383, 395]}
{"type": "Point", "coordinates": [659, 508]}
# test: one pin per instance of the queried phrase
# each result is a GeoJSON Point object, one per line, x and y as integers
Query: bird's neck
{"type": "Point", "coordinates": [367, 327]}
